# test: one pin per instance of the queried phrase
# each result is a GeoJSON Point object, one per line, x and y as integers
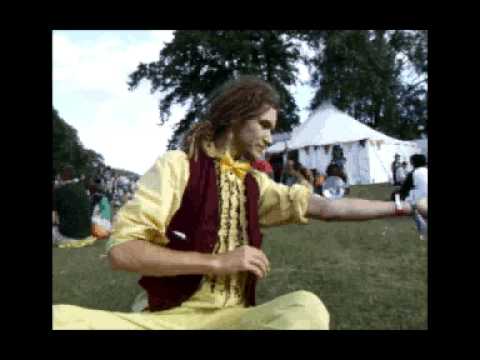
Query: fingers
{"type": "Point", "coordinates": [255, 269]}
{"type": "Point", "coordinates": [244, 258]}
{"type": "Point", "coordinates": [258, 267]}
{"type": "Point", "coordinates": [261, 255]}
{"type": "Point", "coordinates": [259, 261]}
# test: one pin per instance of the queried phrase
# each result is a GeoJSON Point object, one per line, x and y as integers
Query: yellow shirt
{"type": "Point", "coordinates": [159, 196]}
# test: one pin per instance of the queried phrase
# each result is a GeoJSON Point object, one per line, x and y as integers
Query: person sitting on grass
{"type": "Point", "coordinates": [71, 208]}
{"type": "Point", "coordinates": [102, 212]}
{"type": "Point", "coordinates": [305, 176]}
{"type": "Point", "coordinates": [296, 173]}
{"type": "Point", "coordinates": [192, 230]}
{"type": "Point", "coordinates": [318, 181]}
{"type": "Point", "coordinates": [335, 184]}
{"type": "Point", "coordinates": [289, 176]}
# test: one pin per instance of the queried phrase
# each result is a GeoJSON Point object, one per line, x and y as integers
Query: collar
{"type": "Point", "coordinates": [239, 168]}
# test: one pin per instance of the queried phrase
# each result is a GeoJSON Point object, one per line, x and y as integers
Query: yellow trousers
{"type": "Point", "coordinates": [300, 310]}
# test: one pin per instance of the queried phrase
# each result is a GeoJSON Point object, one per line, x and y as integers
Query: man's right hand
{"type": "Point", "coordinates": [243, 258]}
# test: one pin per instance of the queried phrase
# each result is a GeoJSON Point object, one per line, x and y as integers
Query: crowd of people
{"type": "Point", "coordinates": [332, 183]}
{"type": "Point", "coordinates": [411, 185]}
{"type": "Point", "coordinates": [83, 209]}
{"type": "Point", "coordinates": [118, 188]}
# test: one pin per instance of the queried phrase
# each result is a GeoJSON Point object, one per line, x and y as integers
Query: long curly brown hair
{"type": "Point", "coordinates": [235, 101]}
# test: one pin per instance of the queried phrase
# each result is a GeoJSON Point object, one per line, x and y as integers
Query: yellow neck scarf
{"type": "Point", "coordinates": [238, 168]}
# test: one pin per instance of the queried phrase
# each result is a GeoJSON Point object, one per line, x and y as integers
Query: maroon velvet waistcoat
{"type": "Point", "coordinates": [198, 219]}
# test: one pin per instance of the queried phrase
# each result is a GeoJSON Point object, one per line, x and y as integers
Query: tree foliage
{"type": "Point", "coordinates": [377, 76]}
{"type": "Point", "coordinates": [195, 63]}
{"type": "Point", "coordinates": [67, 149]}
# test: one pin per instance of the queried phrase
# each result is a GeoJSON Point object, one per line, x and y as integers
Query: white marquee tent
{"type": "Point", "coordinates": [369, 153]}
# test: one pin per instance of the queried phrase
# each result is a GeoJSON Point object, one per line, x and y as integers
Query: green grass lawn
{"type": "Point", "coordinates": [371, 275]}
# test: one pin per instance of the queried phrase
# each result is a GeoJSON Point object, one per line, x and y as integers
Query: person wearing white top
{"type": "Point", "coordinates": [420, 185]}
{"type": "Point", "coordinates": [419, 191]}
{"type": "Point", "coordinates": [415, 186]}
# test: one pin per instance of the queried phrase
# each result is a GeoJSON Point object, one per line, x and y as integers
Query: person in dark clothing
{"type": "Point", "coordinates": [72, 208]}
{"type": "Point", "coordinates": [401, 172]}
{"type": "Point", "coordinates": [336, 182]}
{"type": "Point", "coordinates": [318, 180]}
{"type": "Point", "coordinates": [96, 193]}
{"type": "Point", "coordinates": [289, 173]}
{"type": "Point", "coordinates": [417, 161]}
{"type": "Point", "coordinates": [395, 165]}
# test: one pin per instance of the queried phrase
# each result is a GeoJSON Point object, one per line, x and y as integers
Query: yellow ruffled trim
{"type": "Point", "coordinates": [243, 214]}
{"type": "Point", "coordinates": [241, 278]}
{"type": "Point", "coordinates": [228, 290]}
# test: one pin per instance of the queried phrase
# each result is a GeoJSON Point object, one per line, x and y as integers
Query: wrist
{"type": "Point", "coordinates": [402, 208]}
{"type": "Point", "coordinates": [215, 264]}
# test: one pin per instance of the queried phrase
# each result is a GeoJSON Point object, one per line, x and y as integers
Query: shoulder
{"type": "Point", "coordinates": [266, 183]}
{"type": "Point", "coordinates": [263, 180]}
{"type": "Point", "coordinates": [420, 172]}
{"type": "Point", "coordinates": [174, 155]}
{"type": "Point", "coordinates": [260, 177]}
{"type": "Point", "coordinates": [173, 163]}
{"type": "Point", "coordinates": [172, 158]}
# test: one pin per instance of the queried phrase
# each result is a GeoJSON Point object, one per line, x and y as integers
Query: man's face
{"type": "Point", "coordinates": [252, 137]}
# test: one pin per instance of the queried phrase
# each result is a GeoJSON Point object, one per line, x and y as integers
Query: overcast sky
{"type": "Point", "coordinates": [90, 92]}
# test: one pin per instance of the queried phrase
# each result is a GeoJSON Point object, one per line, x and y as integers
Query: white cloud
{"type": "Point", "coordinates": [91, 93]}
{"type": "Point", "coordinates": [106, 63]}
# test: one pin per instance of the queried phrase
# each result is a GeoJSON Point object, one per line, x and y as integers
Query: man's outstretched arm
{"type": "Point", "coordinates": [355, 209]}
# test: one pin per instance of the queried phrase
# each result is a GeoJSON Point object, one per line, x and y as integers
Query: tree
{"type": "Point", "coordinates": [368, 74]}
{"type": "Point", "coordinates": [196, 62]}
{"type": "Point", "coordinates": [412, 45]}
{"type": "Point", "coordinates": [67, 149]}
